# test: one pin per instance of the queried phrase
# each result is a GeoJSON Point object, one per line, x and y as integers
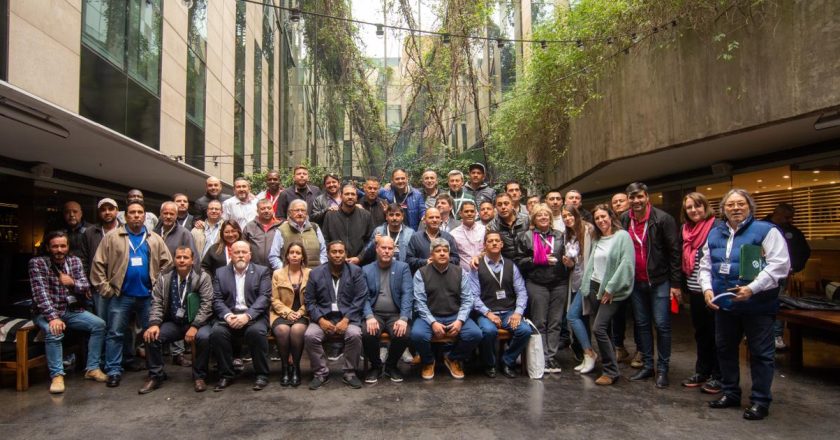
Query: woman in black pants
{"type": "Point", "coordinates": [698, 219]}
{"type": "Point", "coordinates": [538, 254]}
{"type": "Point", "coordinates": [609, 276]}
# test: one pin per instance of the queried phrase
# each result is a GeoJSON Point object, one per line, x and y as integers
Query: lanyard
{"type": "Point", "coordinates": [131, 245]}
{"type": "Point", "coordinates": [186, 287]}
{"type": "Point", "coordinates": [397, 238]}
{"type": "Point", "coordinates": [729, 243]}
{"type": "Point", "coordinates": [335, 284]}
{"type": "Point", "coordinates": [636, 237]}
{"type": "Point", "coordinates": [501, 272]}
{"type": "Point", "coordinates": [184, 223]}
{"type": "Point", "coordinates": [548, 242]}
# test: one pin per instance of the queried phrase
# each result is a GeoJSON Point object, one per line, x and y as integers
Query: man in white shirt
{"type": "Point", "coordinates": [242, 208]}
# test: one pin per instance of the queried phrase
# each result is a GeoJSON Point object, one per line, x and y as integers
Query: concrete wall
{"type": "Point", "coordinates": [45, 49]}
{"type": "Point", "coordinates": [45, 35]}
{"type": "Point", "coordinates": [657, 98]}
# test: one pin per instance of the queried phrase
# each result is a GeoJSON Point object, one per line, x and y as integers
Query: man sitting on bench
{"type": "Point", "coordinates": [388, 305]}
{"type": "Point", "coordinates": [500, 299]}
{"type": "Point", "coordinates": [444, 300]}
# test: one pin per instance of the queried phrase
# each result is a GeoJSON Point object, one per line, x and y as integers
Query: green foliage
{"type": "Point", "coordinates": [531, 125]}
{"type": "Point", "coordinates": [257, 180]}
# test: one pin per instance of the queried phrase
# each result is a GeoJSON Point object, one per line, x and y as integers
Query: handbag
{"type": "Point", "coordinates": [534, 353]}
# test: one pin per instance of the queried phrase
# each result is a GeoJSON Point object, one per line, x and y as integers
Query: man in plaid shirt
{"type": "Point", "coordinates": [59, 285]}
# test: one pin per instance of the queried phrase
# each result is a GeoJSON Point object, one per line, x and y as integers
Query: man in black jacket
{"type": "Point", "coordinates": [349, 224]}
{"type": "Point", "coordinates": [658, 278]}
{"type": "Point", "coordinates": [300, 190]}
{"type": "Point", "coordinates": [213, 191]}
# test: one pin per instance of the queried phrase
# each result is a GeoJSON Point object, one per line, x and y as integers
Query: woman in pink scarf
{"type": "Point", "coordinates": [698, 218]}
{"type": "Point", "coordinates": [539, 253]}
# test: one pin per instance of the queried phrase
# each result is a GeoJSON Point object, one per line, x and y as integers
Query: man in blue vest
{"type": "Point", "coordinates": [500, 300]}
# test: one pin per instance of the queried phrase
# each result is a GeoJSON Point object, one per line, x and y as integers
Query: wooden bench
{"type": "Point", "coordinates": [22, 362]}
{"type": "Point", "coordinates": [799, 319]}
{"type": "Point", "coordinates": [501, 338]}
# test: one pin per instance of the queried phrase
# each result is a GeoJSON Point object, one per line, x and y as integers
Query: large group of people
{"type": "Point", "coordinates": [440, 271]}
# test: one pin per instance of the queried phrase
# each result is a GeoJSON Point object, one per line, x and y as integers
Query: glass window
{"type": "Point", "coordinates": [4, 39]}
{"type": "Point", "coordinates": [144, 34]}
{"type": "Point", "coordinates": [120, 66]}
{"type": "Point", "coordinates": [239, 92]}
{"type": "Point", "coordinates": [269, 47]}
{"type": "Point", "coordinates": [103, 28]}
{"type": "Point", "coordinates": [196, 84]}
{"type": "Point", "coordinates": [257, 153]}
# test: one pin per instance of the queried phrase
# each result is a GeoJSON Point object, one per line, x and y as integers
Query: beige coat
{"type": "Point", "coordinates": [282, 294]}
{"type": "Point", "coordinates": [111, 261]}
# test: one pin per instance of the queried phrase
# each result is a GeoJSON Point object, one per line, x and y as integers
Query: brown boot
{"type": "Point", "coordinates": [57, 385]}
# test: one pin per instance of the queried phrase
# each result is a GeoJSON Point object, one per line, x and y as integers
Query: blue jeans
{"type": "Point", "coordinates": [576, 322]}
{"type": "Point", "coordinates": [421, 336]}
{"type": "Point", "coordinates": [490, 332]}
{"type": "Point", "coordinates": [119, 314]}
{"type": "Point", "coordinates": [653, 303]}
{"type": "Point", "coordinates": [730, 329]}
{"type": "Point", "coordinates": [83, 321]}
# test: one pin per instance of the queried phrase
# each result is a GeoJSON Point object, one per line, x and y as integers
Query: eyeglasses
{"type": "Point", "coordinates": [732, 205]}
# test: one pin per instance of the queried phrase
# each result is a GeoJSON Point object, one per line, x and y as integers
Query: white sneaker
{"type": "Point", "coordinates": [588, 363]}
{"type": "Point", "coordinates": [780, 343]}
{"type": "Point", "coordinates": [581, 365]}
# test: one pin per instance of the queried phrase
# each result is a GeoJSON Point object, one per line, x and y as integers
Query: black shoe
{"type": "Point", "coordinates": [725, 402]}
{"type": "Point", "coordinates": [294, 379]}
{"type": "Point", "coordinates": [756, 412]}
{"type": "Point", "coordinates": [374, 374]}
{"type": "Point", "coordinates": [113, 381]}
{"type": "Point", "coordinates": [260, 383]}
{"type": "Point", "coordinates": [352, 381]}
{"type": "Point", "coordinates": [662, 380]}
{"type": "Point", "coordinates": [712, 386]}
{"type": "Point", "coordinates": [508, 372]}
{"type": "Point", "coordinates": [318, 382]}
{"type": "Point", "coordinates": [694, 381]}
{"type": "Point", "coordinates": [222, 384]}
{"type": "Point", "coordinates": [151, 384]}
{"type": "Point", "coordinates": [642, 374]}
{"type": "Point", "coordinates": [394, 373]}
{"type": "Point", "coordinates": [490, 372]}
{"type": "Point", "coordinates": [285, 376]}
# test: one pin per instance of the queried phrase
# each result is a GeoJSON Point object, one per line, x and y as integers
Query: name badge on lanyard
{"type": "Point", "coordinates": [136, 261]}
{"type": "Point", "coordinates": [500, 294]}
{"type": "Point", "coordinates": [334, 305]}
{"type": "Point", "coordinates": [725, 266]}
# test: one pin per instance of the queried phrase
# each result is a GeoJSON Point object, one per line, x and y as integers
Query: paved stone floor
{"type": "Point", "coordinates": [564, 406]}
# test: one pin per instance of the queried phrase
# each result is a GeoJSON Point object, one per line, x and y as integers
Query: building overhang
{"type": "Point", "coordinates": [713, 154]}
{"type": "Point", "coordinates": [39, 132]}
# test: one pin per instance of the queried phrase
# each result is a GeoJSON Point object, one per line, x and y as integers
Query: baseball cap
{"type": "Point", "coordinates": [108, 201]}
{"type": "Point", "coordinates": [478, 165]}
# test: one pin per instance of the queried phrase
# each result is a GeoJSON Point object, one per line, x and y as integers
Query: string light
{"type": "Point", "coordinates": [500, 43]}
{"type": "Point", "coordinates": [543, 44]}
{"type": "Point", "coordinates": [445, 38]}
{"type": "Point", "coordinates": [295, 15]}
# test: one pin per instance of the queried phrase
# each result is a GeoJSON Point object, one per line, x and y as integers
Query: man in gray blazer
{"type": "Point", "coordinates": [241, 297]}
{"type": "Point", "coordinates": [388, 307]}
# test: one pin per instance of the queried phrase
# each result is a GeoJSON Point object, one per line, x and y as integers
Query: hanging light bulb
{"type": "Point", "coordinates": [294, 15]}
{"type": "Point", "coordinates": [610, 40]}
{"type": "Point", "coordinates": [187, 3]}
{"type": "Point", "coordinates": [380, 30]}
{"type": "Point", "coordinates": [446, 39]}
{"type": "Point", "coordinates": [543, 44]}
{"type": "Point", "coordinates": [500, 43]}
{"type": "Point", "coordinates": [579, 44]}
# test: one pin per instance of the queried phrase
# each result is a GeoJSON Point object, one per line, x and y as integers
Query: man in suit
{"type": "Point", "coordinates": [185, 219]}
{"type": "Point", "coordinates": [387, 309]}
{"type": "Point", "coordinates": [241, 296]}
{"type": "Point", "coordinates": [335, 295]}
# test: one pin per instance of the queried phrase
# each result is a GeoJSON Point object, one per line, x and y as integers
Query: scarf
{"type": "Point", "coordinates": [694, 236]}
{"type": "Point", "coordinates": [542, 248]}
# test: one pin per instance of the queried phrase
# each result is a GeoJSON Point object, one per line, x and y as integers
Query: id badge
{"type": "Point", "coordinates": [180, 313]}
{"type": "Point", "coordinates": [334, 307]}
{"type": "Point", "coordinates": [136, 261]}
{"type": "Point", "coordinates": [500, 294]}
{"type": "Point", "coordinates": [724, 269]}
